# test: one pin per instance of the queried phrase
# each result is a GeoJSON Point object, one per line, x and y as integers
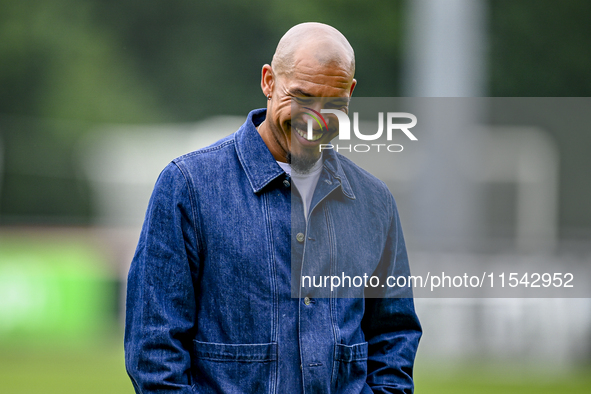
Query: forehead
{"type": "Point", "coordinates": [316, 79]}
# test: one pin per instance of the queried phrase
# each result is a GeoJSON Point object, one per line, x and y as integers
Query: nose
{"type": "Point", "coordinates": [314, 118]}
{"type": "Point", "coordinates": [313, 121]}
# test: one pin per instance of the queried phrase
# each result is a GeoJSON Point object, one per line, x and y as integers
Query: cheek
{"type": "Point", "coordinates": [284, 109]}
{"type": "Point", "coordinates": [332, 135]}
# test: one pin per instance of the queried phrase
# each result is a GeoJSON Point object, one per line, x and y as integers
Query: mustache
{"type": "Point", "coordinates": [304, 127]}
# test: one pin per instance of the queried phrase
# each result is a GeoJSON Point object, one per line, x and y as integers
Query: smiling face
{"type": "Point", "coordinates": [309, 84]}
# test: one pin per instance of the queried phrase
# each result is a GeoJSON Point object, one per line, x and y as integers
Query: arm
{"type": "Point", "coordinates": [390, 324]}
{"type": "Point", "coordinates": [160, 310]}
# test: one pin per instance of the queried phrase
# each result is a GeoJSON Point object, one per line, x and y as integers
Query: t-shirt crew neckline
{"type": "Point", "coordinates": [305, 183]}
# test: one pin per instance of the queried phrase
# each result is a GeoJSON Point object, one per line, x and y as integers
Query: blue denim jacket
{"type": "Point", "coordinates": [209, 296]}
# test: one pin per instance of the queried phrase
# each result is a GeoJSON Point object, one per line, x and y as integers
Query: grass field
{"type": "Point", "coordinates": [68, 371]}
{"type": "Point", "coordinates": [488, 380]}
{"type": "Point", "coordinates": [95, 370]}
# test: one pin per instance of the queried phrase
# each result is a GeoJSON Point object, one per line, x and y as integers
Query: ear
{"type": "Point", "coordinates": [352, 87]}
{"type": "Point", "coordinates": [267, 79]}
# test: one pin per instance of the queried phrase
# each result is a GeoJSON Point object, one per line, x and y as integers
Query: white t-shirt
{"type": "Point", "coordinates": [305, 183]}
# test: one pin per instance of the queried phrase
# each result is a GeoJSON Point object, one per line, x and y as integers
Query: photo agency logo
{"type": "Point", "coordinates": [392, 120]}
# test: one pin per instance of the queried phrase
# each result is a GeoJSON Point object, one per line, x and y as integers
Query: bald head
{"type": "Point", "coordinates": [314, 40]}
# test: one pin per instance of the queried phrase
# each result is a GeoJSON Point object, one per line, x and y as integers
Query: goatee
{"type": "Point", "coordinates": [301, 164]}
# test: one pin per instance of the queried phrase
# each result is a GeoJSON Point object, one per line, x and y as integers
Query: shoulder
{"type": "Point", "coordinates": [182, 171]}
{"type": "Point", "coordinates": [221, 148]}
{"type": "Point", "coordinates": [370, 191]}
{"type": "Point", "coordinates": [361, 179]}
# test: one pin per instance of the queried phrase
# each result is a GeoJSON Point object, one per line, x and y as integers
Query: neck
{"type": "Point", "coordinates": [271, 141]}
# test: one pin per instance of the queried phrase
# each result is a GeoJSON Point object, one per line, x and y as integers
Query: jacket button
{"type": "Point", "coordinates": [285, 183]}
{"type": "Point", "coordinates": [307, 300]}
{"type": "Point", "coordinates": [300, 237]}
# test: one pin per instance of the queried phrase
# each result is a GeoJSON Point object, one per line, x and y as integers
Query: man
{"type": "Point", "coordinates": [209, 303]}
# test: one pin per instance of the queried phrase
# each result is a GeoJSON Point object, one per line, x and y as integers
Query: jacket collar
{"type": "Point", "coordinates": [260, 166]}
{"type": "Point", "coordinates": [332, 163]}
{"type": "Point", "coordinates": [256, 159]}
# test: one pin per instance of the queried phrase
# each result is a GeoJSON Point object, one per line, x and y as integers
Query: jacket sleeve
{"type": "Point", "coordinates": [160, 309]}
{"type": "Point", "coordinates": [390, 324]}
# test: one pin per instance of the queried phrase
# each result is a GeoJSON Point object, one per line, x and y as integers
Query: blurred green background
{"type": "Point", "coordinates": [68, 68]}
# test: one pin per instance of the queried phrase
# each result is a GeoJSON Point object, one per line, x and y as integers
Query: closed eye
{"type": "Point", "coordinates": [303, 101]}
